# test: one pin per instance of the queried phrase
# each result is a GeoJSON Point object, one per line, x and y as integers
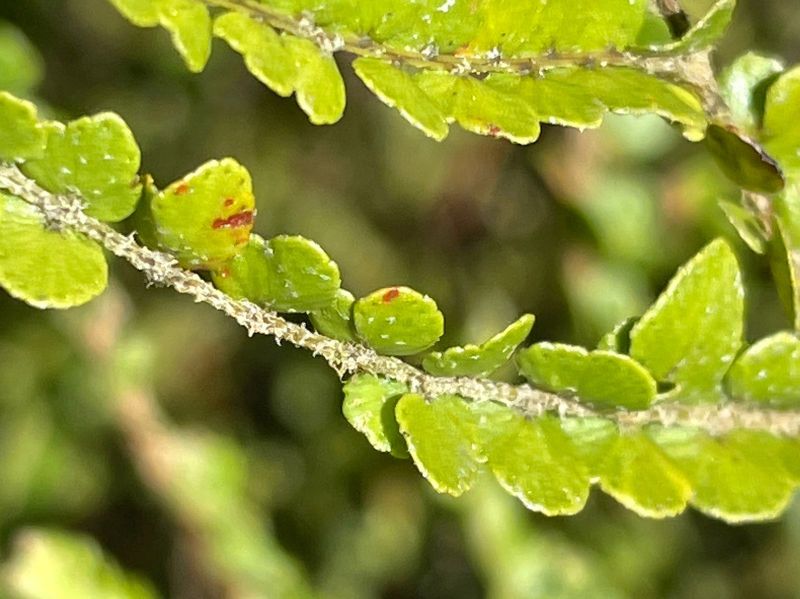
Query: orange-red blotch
{"type": "Point", "coordinates": [228, 202]}
{"type": "Point", "coordinates": [393, 293]}
{"type": "Point", "coordinates": [181, 189]}
{"type": "Point", "coordinates": [240, 219]}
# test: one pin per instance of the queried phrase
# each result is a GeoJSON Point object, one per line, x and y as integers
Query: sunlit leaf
{"type": "Point", "coordinates": [287, 273]}
{"type": "Point", "coordinates": [474, 360]}
{"type": "Point", "coordinates": [22, 136]}
{"type": "Point", "coordinates": [96, 157]}
{"type": "Point", "coordinates": [746, 224]}
{"type": "Point", "coordinates": [785, 250]}
{"type": "Point", "coordinates": [336, 320]}
{"type": "Point", "coordinates": [768, 372]}
{"type": "Point", "coordinates": [264, 53]}
{"type": "Point", "coordinates": [599, 377]}
{"type": "Point", "coordinates": [398, 89]}
{"type": "Point", "coordinates": [318, 84]}
{"type": "Point", "coordinates": [691, 335]}
{"type": "Point", "coordinates": [782, 120]}
{"type": "Point", "coordinates": [188, 22]}
{"type": "Point", "coordinates": [369, 406]}
{"type": "Point", "coordinates": [398, 321]}
{"type": "Point", "coordinates": [744, 86]}
{"type": "Point", "coordinates": [739, 477]}
{"type": "Point", "coordinates": [535, 461]}
{"type": "Point", "coordinates": [46, 268]}
{"type": "Point", "coordinates": [638, 475]}
{"type": "Point", "coordinates": [441, 440]}
{"type": "Point", "coordinates": [206, 217]}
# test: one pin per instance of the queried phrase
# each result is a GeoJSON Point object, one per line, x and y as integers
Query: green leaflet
{"type": "Point", "coordinates": [743, 161]}
{"type": "Point", "coordinates": [22, 135]}
{"type": "Point", "coordinates": [287, 64]}
{"type": "Point", "coordinates": [707, 31]}
{"type": "Point", "coordinates": [205, 218]}
{"type": "Point", "coordinates": [739, 478]}
{"type": "Point", "coordinates": [440, 437]}
{"type": "Point", "coordinates": [531, 26]}
{"type": "Point", "coordinates": [746, 224]}
{"type": "Point", "coordinates": [785, 250]}
{"type": "Point", "coordinates": [618, 339]}
{"type": "Point", "coordinates": [534, 460]}
{"type": "Point", "coordinates": [473, 360]}
{"type": "Point", "coordinates": [592, 438]}
{"type": "Point", "coordinates": [50, 565]}
{"type": "Point", "coordinates": [96, 157]}
{"type": "Point", "coordinates": [578, 97]}
{"type": "Point", "coordinates": [189, 25]}
{"type": "Point", "coordinates": [511, 106]}
{"type": "Point", "coordinates": [600, 377]}
{"type": "Point", "coordinates": [21, 65]}
{"type": "Point", "coordinates": [318, 85]}
{"type": "Point", "coordinates": [399, 89]}
{"type": "Point", "coordinates": [781, 132]}
{"type": "Point", "coordinates": [475, 27]}
{"type": "Point", "coordinates": [638, 475]}
{"type": "Point", "coordinates": [336, 320]}
{"type": "Point", "coordinates": [744, 86]}
{"type": "Point", "coordinates": [768, 372]}
{"type": "Point", "coordinates": [142, 13]}
{"type": "Point", "coordinates": [691, 335]}
{"type": "Point", "coordinates": [369, 406]}
{"type": "Point", "coordinates": [398, 321]}
{"type": "Point", "coordinates": [264, 53]}
{"type": "Point", "coordinates": [287, 273]}
{"type": "Point", "coordinates": [188, 22]}
{"type": "Point", "coordinates": [46, 269]}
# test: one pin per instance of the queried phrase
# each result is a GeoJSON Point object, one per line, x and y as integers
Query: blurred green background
{"type": "Point", "coordinates": [216, 465]}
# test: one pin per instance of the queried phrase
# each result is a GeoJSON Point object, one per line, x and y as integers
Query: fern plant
{"type": "Point", "coordinates": [672, 408]}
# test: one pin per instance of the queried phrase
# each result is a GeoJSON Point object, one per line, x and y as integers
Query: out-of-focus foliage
{"type": "Point", "coordinates": [490, 231]}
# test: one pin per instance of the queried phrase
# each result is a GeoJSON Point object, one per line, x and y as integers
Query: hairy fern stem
{"type": "Point", "coordinates": [65, 212]}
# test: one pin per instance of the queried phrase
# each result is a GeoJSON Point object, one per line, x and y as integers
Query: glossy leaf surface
{"type": "Point", "coordinates": [369, 406]}
{"type": "Point", "coordinates": [691, 335]}
{"type": "Point", "coordinates": [287, 273]}
{"type": "Point", "coordinates": [96, 157]}
{"type": "Point", "coordinates": [336, 320]}
{"type": "Point", "coordinates": [440, 437]}
{"type": "Point", "coordinates": [535, 461]}
{"type": "Point", "coordinates": [768, 372]}
{"type": "Point", "coordinates": [480, 360]}
{"type": "Point", "coordinates": [45, 268]}
{"type": "Point", "coordinates": [782, 120]}
{"type": "Point", "coordinates": [603, 378]}
{"type": "Point", "coordinates": [398, 321]}
{"type": "Point", "coordinates": [22, 137]}
{"type": "Point", "coordinates": [206, 217]}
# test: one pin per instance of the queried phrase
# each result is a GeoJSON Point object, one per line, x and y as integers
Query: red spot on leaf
{"type": "Point", "coordinates": [228, 202]}
{"type": "Point", "coordinates": [240, 219]}
{"type": "Point", "coordinates": [390, 295]}
{"type": "Point", "coordinates": [493, 130]}
{"type": "Point", "coordinates": [181, 189]}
